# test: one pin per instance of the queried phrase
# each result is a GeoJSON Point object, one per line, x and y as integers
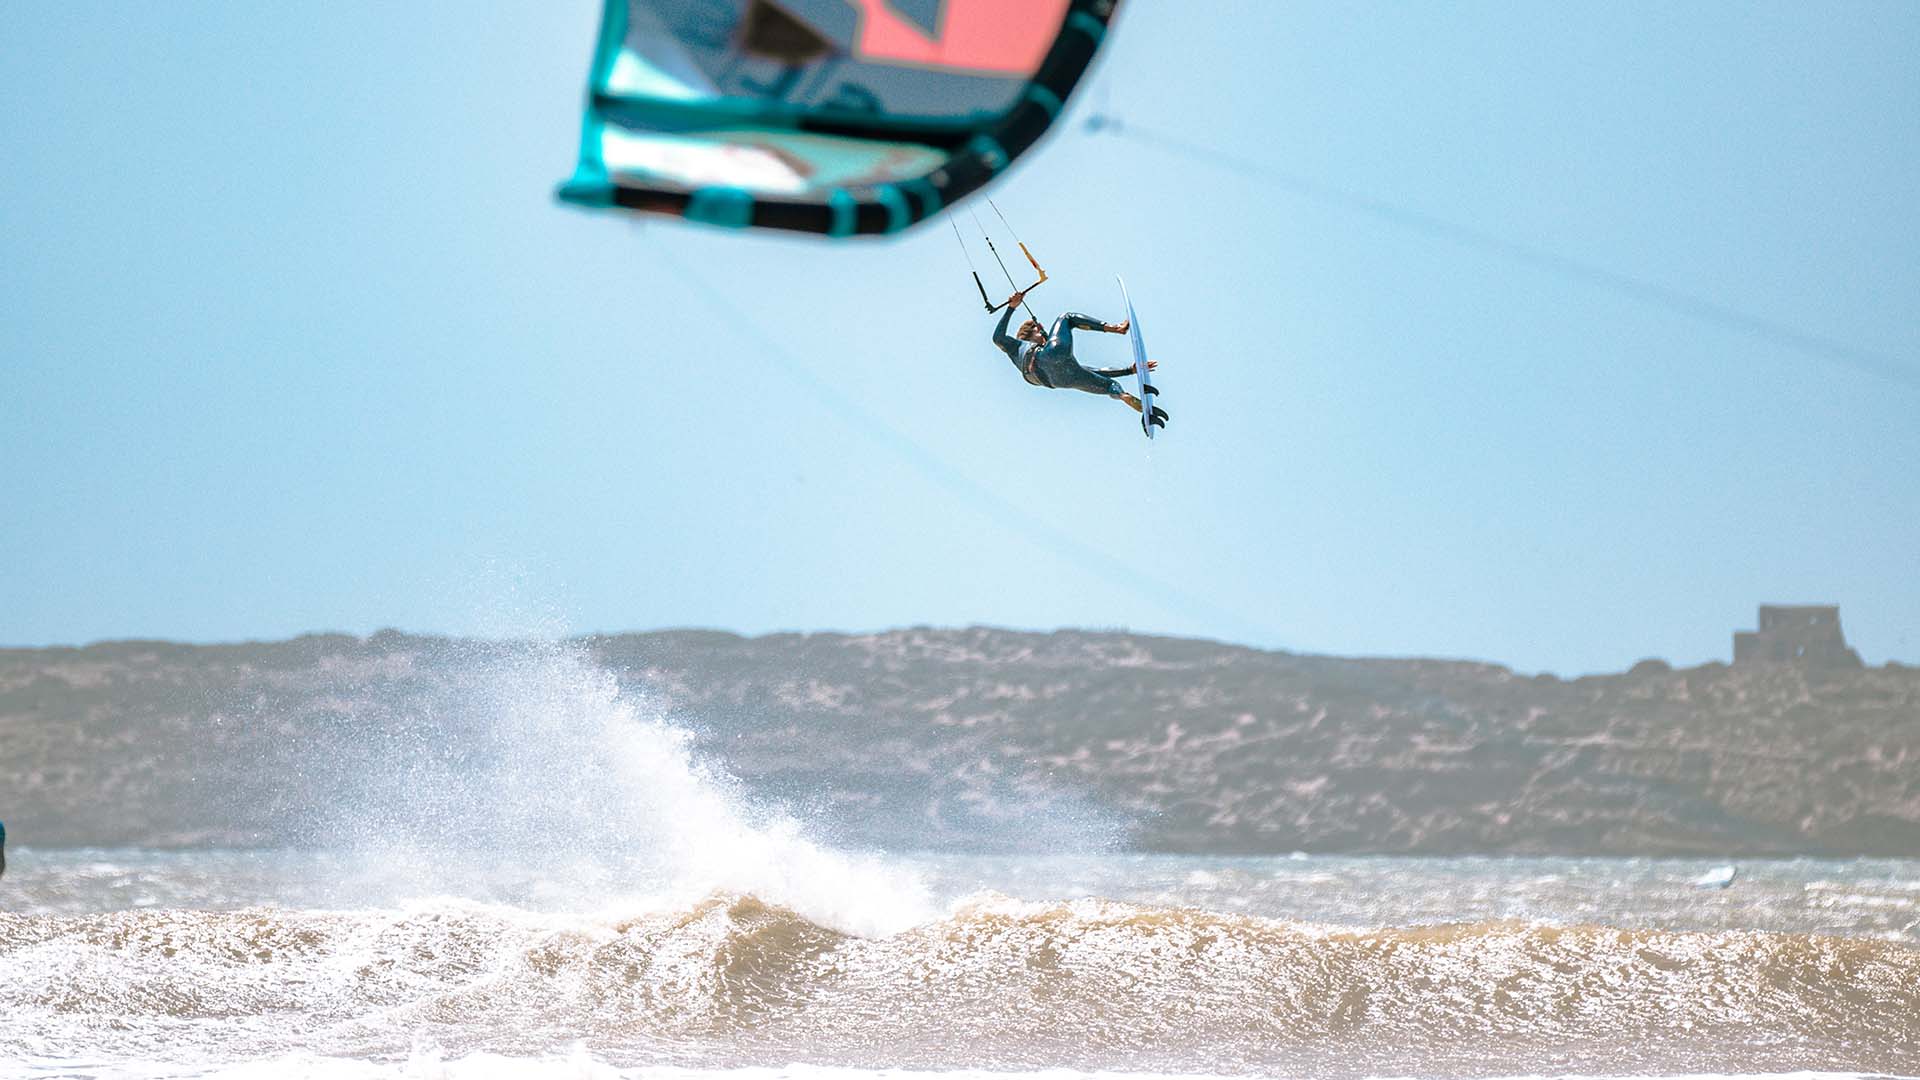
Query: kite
{"type": "Point", "coordinates": [841, 117]}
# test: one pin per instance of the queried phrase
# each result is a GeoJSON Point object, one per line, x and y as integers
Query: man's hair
{"type": "Point", "coordinates": [1030, 324]}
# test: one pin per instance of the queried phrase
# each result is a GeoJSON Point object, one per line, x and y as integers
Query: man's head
{"type": "Point", "coordinates": [1031, 331]}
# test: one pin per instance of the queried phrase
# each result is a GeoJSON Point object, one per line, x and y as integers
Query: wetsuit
{"type": "Point", "coordinates": [1052, 365]}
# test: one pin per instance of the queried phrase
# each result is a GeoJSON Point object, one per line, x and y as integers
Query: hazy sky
{"type": "Point", "coordinates": [293, 337]}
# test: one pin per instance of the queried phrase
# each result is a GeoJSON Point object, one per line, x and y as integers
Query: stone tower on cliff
{"type": "Point", "coordinates": [1808, 635]}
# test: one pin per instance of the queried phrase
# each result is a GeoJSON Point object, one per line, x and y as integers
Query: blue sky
{"type": "Point", "coordinates": [292, 337]}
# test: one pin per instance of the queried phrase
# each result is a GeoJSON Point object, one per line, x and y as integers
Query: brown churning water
{"type": "Point", "coordinates": [999, 984]}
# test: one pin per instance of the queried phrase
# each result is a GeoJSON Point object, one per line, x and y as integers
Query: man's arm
{"type": "Point", "coordinates": [1006, 342]}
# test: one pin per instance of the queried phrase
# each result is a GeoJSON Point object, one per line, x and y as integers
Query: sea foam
{"type": "Point", "coordinates": [533, 777]}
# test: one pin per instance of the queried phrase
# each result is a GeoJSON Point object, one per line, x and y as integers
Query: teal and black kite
{"type": "Point", "coordinates": [841, 117]}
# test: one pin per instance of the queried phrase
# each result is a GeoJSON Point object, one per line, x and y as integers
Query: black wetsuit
{"type": "Point", "coordinates": [1052, 364]}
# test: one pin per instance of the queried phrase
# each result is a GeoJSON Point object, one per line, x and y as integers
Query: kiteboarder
{"type": "Point", "coordinates": [1047, 358]}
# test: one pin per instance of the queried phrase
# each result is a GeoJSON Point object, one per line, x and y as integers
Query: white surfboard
{"type": "Point", "coordinates": [1139, 360]}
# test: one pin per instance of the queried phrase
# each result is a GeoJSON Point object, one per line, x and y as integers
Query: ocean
{"type": "Point", "coordinates": [265, 963]}
{"type": "Point", "coordinates": [588, 899]}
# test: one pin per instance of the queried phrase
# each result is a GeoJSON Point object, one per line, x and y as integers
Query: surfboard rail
{"type": "Point", "coordinates": [1139, 360]}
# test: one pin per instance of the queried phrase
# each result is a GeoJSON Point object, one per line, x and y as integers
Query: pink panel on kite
{"type": "Point", "coordinates": [1010, 36]}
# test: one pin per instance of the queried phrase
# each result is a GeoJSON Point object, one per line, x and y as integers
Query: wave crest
{"type": "Point", "coordinates": [734, 979]}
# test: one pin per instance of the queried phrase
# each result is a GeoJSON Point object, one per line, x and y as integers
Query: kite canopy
{"type": "Point", "coordinates": [827, 116]}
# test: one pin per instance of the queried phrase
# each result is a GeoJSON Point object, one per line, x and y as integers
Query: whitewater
{"type": "Point", "coordinates": [531, 874]}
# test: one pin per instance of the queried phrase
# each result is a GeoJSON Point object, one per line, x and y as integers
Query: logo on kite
{"type": "Point", "coordinates": [842, 117]}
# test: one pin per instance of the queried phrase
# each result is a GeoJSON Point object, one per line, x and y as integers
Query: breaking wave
{"type": "Point", "coordinates": [734, 980]}
{"type": "Point", "coordinates": [524, 774]}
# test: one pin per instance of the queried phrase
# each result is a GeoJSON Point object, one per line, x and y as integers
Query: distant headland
{"type": "Point", "coordinates": [987, 738]}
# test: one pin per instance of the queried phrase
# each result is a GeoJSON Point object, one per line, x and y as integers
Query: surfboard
{"type": "Point", "coordinates": [1139, 359]}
